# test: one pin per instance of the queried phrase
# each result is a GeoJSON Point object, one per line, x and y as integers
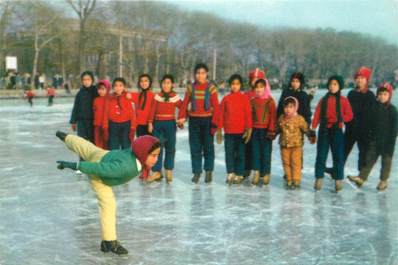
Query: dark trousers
{"type": "Point", "coordinates": [201, 144]}
{"type": "Point", "coordinates": [142, 130]}
{"type": "Point", "coordinates": [261, 151]}
{"type": "Point", "coordinates": [30, 100]}
{"type": "Point", "coordinates": [165, 131]}
{"type": "Point", "coordinates": [119, 135]}
{"type": "Point", "coordinates": [50, 100]}
{"type": "Point", "coordinates": [333, 138]}
{"type": "Point", "coordinates": [234, 154]}
{"type": "Point", "coordinates": [351, 137]}
{"type": "Point", "coordinates": [372, 155]}
{"type": "Point", "coordinates": [248, 156]}
{"type": "Point", "coordinates": [85, 129]}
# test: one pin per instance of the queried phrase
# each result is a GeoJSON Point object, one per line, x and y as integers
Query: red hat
{"type": "Point", "coordinates": [141, 148]}
{"type": "Point", "coordinates": [106, 84]}
{"type": "Point", "coordinates": [256, 73]}
{"type": "Point", "coordinates": [385, 86]}
{"type": "Point", "coordinates": [365, 72]}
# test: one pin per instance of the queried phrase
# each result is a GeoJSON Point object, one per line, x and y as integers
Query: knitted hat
{"type": "Point", "coordinates": [106, 84]}
{"type": "Point", "coordinates": [256, 73]}
{"type": "Point", "coordinates": [385, 86]}
{"type": "Point", "coordinates": [141, 148]}
{"type": "Point", "coordinates": [365, 72]}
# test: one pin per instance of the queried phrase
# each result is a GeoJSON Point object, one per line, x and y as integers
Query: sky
{"type": "Point", "coordinates": [377, 17]}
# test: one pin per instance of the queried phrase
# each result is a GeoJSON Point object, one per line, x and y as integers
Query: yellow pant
{"type": "Point", "coordinates": [106, 198]}
{"type": "Point", "coordinates": [292, 162]}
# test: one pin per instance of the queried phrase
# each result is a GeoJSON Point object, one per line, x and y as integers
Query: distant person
{"type": "Point", "coordinates": [29, 94]}
{"type": "Point", "coordinates": [37, 81]}
{"type": "Point", "coordinates": [51, 92]}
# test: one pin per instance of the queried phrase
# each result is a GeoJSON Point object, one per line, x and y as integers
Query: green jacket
{"type": "Point", "coordinates": [115, 168]}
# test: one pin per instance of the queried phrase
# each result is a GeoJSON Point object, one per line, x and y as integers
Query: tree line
{"type": "Point", "coordinates": [127, 38]}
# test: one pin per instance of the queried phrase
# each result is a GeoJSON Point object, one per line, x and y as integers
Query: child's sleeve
{"type": "Point", "coordinates": [248, 114]}
{"type": "Point", "coordinates": [184, 106]}
{"type": "Point", "coordinates": [220, 122]}
{"type": "Point", "coordinates": [347, 111]}
{"type": "Point", "coordinates": [152, 111]}
{"type": "Point", "coordinates": [272, 114]}
{"type": "Point", "coordinates": [133, 117]}
{"type": "Point", "coordinates": [303, 125]}
{"type": "Point", "coordinates": [215, 104]}
{"type": "Point", "coordinates": [101, 169]}
{"type": "Point", "coordinates": [73, 115]}
{"type": "Point", "coordinates": [315, 120]}
{"type": "Point", "coordinates": [105, 121]}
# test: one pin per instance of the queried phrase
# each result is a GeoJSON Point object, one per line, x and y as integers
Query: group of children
{"type": "Point", "coordinates": [247, 121]}
{"type": "Point", "coordinates": [250, 121]}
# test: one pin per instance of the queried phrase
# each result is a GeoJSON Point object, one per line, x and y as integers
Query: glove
{"type": "Point", "coordinates": [213, 129]}
{"type": "Point", "coordinates": [73, 125]}
{"type": "Point", "coordinates": [270, 135]}
{"type": "Point", "coordinates": [219, 136]}
{"type": "Point", "coordinates": [247, 135]}
{"type": "Point", "coordinates": [311, 136]}
{"type": "Point", "coordinates": [132, 135]}
{"type": "Point", "coordinates": [66, 164]}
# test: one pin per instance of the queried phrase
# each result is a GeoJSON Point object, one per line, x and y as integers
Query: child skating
{"type": "Point", "coordinates": [382, 122]}
{"type": "Point", "coordinates": [107, 169]}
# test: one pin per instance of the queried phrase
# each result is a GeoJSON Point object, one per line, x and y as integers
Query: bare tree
{"type": "Point", "coordinates": [83, 9]}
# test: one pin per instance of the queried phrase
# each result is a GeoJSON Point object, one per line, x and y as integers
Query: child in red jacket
{"type": "Point", "coordinates": [332, 111]}
{"type": "Point", "coordinates": [51, 94]}
{"type": "Point", "coordinates": [119, 117]}
{"type": "Point", "coordinates": [235, 118]}
{"type": "Point", "coordinates": [264, 123]}
{"type": "Point", "coordinates": [143, 102]}
{"type": "Point", "coordinates": [29, 94]}
{"type": "Point", "coordinates": [162, 123]}
{"type": "Point", "coordinates": [100, 134]}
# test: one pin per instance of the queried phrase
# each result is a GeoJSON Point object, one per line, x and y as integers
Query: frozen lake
{"type": "Point", "coordinates": [49, 216]}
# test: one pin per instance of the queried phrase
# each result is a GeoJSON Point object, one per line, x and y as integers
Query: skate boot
{"type": "Point", "coordinates": [154, 177]}
{"type": "Point", "coordinates": [209, 176]}
{"type": "Point", "coordinates": [230, 178]}
{"type": "Point", "coordinates": [297, 184]}
{"type": "Point", "coordinates": [338, 185]}
{"type": "Point", "coordinates": [195, 178]}
{"type": "Point", "coordinates": [382, 185]}
{"type": "Point", "coordinates": [289, 184]}
{"type": "Point", "coordinates": [238, 179]}
{"type": "Point", "coordinates": [113, 246]}
{"type": "Point", "coordinates": [61, 135]}
{"type": "Point", "coordinates": [318, 184]}
{"type": "Point", "coordinates": [169, 176]}
{"type": "Point", "coordinates": [357, 180]}
{"type": "Point", "coordinates": [266, 179]}
{"type": "Point", "coordinates": [256, 178]}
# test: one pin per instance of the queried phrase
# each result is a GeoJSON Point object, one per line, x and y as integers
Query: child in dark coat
{"type": "Point", "coordinates": [235, 118]}
{"type": "Point", "coordinates": [82, 113]}
{"type": "Point", "coordinates": [332, 111]}
{"type": "Point", "coordinates": [382, 120]}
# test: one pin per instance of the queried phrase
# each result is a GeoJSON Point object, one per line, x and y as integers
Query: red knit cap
{"type": "Point", "coordinates": [106, 84]}
{"type": "Point", "coordinates": [365, 72]}
{"type": "Point", "coordinates": [386, 86]}
{"type": "Point", "coordinates": [141, 147]}
{"type": "Point", "coordinates": [256, 73]}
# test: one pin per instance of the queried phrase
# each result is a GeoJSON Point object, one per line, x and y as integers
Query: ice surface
{"type": "Point", "coordinates": [49, 216]}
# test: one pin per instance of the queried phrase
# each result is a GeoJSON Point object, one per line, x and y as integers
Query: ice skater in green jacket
{"type": "Point", "coordinates": [107, 169]}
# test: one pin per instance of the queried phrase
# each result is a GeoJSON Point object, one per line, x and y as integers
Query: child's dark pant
{"type": "Point", "coordinates": [119, 135]}
{"type": "Point", "coordinates": [372, 155]}
{"type": "Point", "coordinates": [165, 131]}
{"type": "Point", "coordinates": [142, 130]}
{"type": "Point", "coordinates": [261, 151]}
{"type": "Point", "coordinates": [333, 138]}
{"type": "Point", "coordinates": [234, 154]}
{"type": "Point", "coordinates": [85, 129]}
{"type": "Point", "coordinates": [201, 143]}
